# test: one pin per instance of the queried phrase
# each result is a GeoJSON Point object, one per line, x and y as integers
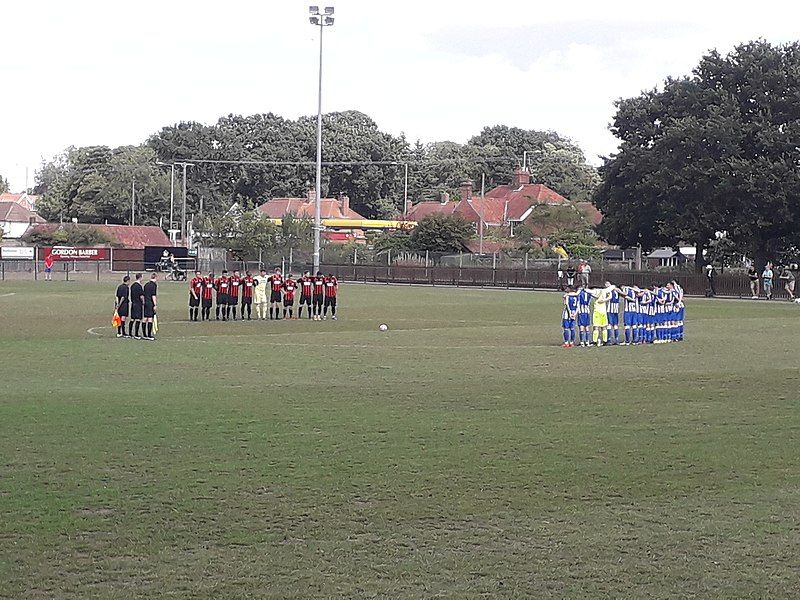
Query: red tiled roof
{"type": "Point", "coordinates": [520, 199]}
{"type": "Point", "coordinates": [27, 201]}
{"type": "Point", "coordinates": [491, 210]}
{"type": "Point", "coordinates": [330, 208]}
{"type": "Point", "coordinates": [425, 209]}
{"type": "Point", "coordinates": [125, 236]}
{"type": "Point", "coordinates": [500, 205]}
{"type": "Point", "coordinates": [13, 212]}
{"type": "Point", "coordinates": [590, 212]}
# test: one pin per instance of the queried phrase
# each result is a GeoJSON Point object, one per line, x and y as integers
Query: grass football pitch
{"type": "Point", "coordinates": [461, 454]}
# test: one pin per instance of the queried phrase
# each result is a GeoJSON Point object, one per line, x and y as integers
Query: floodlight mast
{"type": "Point", "coordinates": [320, 20]}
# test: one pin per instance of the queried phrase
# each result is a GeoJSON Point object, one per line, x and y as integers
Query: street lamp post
{"type": "Point", "coordinates": [321, 20]}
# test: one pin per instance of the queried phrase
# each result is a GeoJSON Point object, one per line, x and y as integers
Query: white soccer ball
{"type": "Point", "coordinates": [797, 300]}
{"type": "Point", "coordinates": [383, 327]}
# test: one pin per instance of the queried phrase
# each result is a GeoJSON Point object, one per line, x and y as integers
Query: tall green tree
{"type": "Point", "coordinates": [95, 185]}
{"type": "Point", "coordinates": [4, 186]}
{"type": "Point", "coordinates": [552, 159]}
{"type": "Point", "coordinates": [714, 152]}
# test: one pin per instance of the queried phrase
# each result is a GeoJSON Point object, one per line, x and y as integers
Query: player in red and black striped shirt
{"type": "Point", "coordinates": [306, 284]}
{"type": "Point", "coordinates": [331, 288]}
{"type": "Point", "coordinates": [319, 295]}
{"type": "Point", "coordinates": [289, 287]}
{"type": "Point", "coordinates": [223, 288]}
{"type": "Point", "coordinates": [233, 299]}
{"type": "Point", "coordinates": [207, 297]}
{"type": "Point", "coordinates": [276, 287]}
{"type": "Point", "coordinates": [248, 285]}
{"type": "Point", "coordinates": [195, 292]}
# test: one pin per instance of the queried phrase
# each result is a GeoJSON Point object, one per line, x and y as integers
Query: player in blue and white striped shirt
{"type": "Point", "coordinates": [631, 313]}
{"type": "Point", "coordinates": [680, 311]}
{"type": "Point", "coordinates": [613, 316]}
{"type": "Point", "coordinates": [584, 316]}
{"type": "Point", "coordinates": [568, 316]}
{"type": "Point", "coordinates": [645, 304]}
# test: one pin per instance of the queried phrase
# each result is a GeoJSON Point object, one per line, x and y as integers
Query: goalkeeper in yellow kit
{"type": "Point", "coordinates": [602, 297]}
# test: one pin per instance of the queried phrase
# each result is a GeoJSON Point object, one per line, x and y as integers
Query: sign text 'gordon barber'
{"type": "Point", "coordinates": [76, 253]}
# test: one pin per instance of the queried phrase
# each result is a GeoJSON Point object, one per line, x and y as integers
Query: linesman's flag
{"type": "Point", "coordinates": [561, 252]}
{"type": "Point", "coordinates": [116, 320]}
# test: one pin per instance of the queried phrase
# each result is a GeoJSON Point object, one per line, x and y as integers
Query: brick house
{"type": "Point", "coordinates": [503, 206]}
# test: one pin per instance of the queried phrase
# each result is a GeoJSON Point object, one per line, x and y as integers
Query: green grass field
{"type": "Point", "coordinates": [461, 454]}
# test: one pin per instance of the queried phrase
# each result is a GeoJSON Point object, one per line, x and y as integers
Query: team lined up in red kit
{"type": "Point", "coordinates": [317, 292]}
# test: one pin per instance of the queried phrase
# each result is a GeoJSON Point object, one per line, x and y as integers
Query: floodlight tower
{"type": "Point", "coordinates": [321, 20]}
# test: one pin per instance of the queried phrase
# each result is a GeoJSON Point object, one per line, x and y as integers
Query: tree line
{"type": "Point", "coordinates": [95, 183]}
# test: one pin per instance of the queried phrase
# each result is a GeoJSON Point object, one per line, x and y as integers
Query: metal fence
{"type": "Point", "coordinates": [731, 284]}
{"type": "Point", "coordinates": [728, 284]}
{"type": "Point", "coordinates": [34, 270]}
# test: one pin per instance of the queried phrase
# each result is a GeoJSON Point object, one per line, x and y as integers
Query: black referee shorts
{"type": "Point", "coordinates": [136, 311]}
{"type": "Point", "coordinates": [149, 310]}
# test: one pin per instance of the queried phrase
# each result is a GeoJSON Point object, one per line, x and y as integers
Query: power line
{"type": "Point", "coordinates": [299, 163]}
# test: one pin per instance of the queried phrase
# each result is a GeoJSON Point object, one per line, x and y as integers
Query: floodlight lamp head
{"type": "Point", "coordinates": [313, 20]}
{"type": "Point", "coordinates": [328, 10]}
{"type": "Point", "coordinates": [314, 10]}
{"type": "Point", "coordinates": [328, 20]}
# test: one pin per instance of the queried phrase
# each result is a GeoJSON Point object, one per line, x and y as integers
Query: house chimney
{"type": "Point", "coordinates": [344, 203]}
{"type": "Point", "coordinates": [521, 177]}
{"type": "Point", "coordinates": [408, 206]}
{"type": "Point", "coordinates": [466, 190]}
{"type": "Point", "coordinates": [445, 197]}
{"type": "Point", "coordinates": [312, 195]}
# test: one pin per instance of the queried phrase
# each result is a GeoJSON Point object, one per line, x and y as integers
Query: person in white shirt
{"type": "Point", "coordinates": [766, 277]}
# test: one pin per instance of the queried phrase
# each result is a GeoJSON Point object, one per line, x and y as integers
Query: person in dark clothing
{"type": "Point", "coordinates": [137, 307]}
{"type": "Point", "coordinates": [571, 272]}
{"type": "Point", "coordinates": [150, 306]}
{"type": "Point", "coordinates": [752, 274]}
{"type": "Point", "coordinates": [711, 275]}
{"type": "Point", "coordinates": [122, 305]}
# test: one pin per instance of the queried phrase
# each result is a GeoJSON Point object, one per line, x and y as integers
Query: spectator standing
{"type": "Point", "coordinates": [766, 277]}
{"type": "Point", "coordinates": [711, 275]}
{"type": "Point", "coordinates": [754, 281]}
{"type": "Point", "coordinates": [48, 267]}
{"type": "Point", "coordinates": [571, 276]}
{"type": "Point", "coordinates": [788, 279]}
{"type": "Point", "coordinates": [584, 271]}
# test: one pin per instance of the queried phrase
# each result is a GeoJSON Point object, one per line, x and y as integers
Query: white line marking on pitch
{"type": "Point", "coordinates": [7, 295]}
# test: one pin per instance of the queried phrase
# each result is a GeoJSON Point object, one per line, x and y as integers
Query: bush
{"type": "Point", "coordinates": [441, 233]}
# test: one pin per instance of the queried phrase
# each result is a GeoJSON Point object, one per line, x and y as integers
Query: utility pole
{"type": "Point", "coordinates": [405, 193]}
{"type": "Point", "coordinates": [133, 201]}
{"type": "Point", "coordinates": [171, 166]}
{"type": "Point", "coordinates": [185, 165]}
{"type": "Point", "coordinates": [483, 206]}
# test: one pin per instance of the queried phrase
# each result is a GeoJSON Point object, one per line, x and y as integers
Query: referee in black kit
{"type": "Point", "coordinates": [150, 306]}
{"type": "Point", "coordinates": [122, 305]}
{"type": "Point", "coordinates": [137, 307]}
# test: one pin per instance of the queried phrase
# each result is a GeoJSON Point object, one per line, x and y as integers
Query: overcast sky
{"type": "Point", "coordinates": [90, 72]}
